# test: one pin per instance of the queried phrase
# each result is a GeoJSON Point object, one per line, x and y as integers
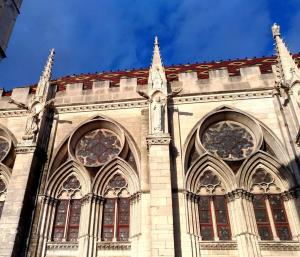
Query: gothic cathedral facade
{"type": "Point", "coordinates": [183, 161]}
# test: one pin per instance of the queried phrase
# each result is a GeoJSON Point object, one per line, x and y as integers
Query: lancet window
{"type": "Point", "coordinates": [2, 195]}
{"type": "Point", "coordinates": [116, 210]}
{"type": "Point", "coordinates": [270, 214]}
{"type": "Point", "coordinates": [67, 216]}
{"type": "Point", "coordinates": [213, 211]}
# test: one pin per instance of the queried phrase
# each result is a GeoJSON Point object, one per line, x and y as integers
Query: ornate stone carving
{"type": "Point", "coordinates": [218, 245]}
{"type": "Point", "coordinates": [263, 182]}
{"type": "Point", "coordinates": [123, 246]}
{"type": "Point", "coordinates": [162, 140]}
{"type": "Point", "coordinates": [239, 193]}
{"type": "Point", "coordinates": [279, 246]}
{"type": "Point", "coordinates": [62, 245]}
{"type": "Point", "coordinates": [209, 183]}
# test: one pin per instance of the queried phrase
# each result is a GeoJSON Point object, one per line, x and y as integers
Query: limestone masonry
{"type": "Point", "coordinates": [183, 161]}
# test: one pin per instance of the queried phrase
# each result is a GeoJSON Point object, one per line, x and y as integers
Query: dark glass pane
{"type": "Point", "coordinates": [61, 213]}
{"type": "Point", "coordinates": [275, 202]}
{"type": "Point", "coordinates": [224, 233]}
{"type": "Point", "coordinates": [117, 182]}
{"type": "Point", "coordinates": [107, 233]}
{"type": "Point", "coordinates": [207, 233]}
{"type": "Point", "coordinates": [259, 202]}
{"type": "Point", "coordinates": [204, 216]}
{"type": "Point", "coordinates": [204, 203]}
{"type": "Point", "coordinates": [73, 233]}
{"type": "Point", "coordinates": [97, 146]}
{"type": "Point", "coordinates": [208, 178]}
{"type": "Point", "coordinates": [261, 176]}
{"type": "Point", "coordinates": [220, 203]}
{"type": "Point", "coordinates": [58, 233]}
{"type": "Point", "coordinates": [265, 233]}
{"type": "Point", "coordinates": [261, 215]}
{"type": "Point", "coordinates": [2, 186]}
{"type": "Point", "coordinates": [123, 234]}
{"type": "Point", "coordinates": [221, 216]}
{"type": "Point", "coordinates": [124, 207]}
{"type": "Point", "coordinates": [279, 215]}
{"type": "Point", "coordinates": [4, 147]}
{"type": "Point", "coordinates": [109, 212]}
{"type": "Point", "coordinates": [75, 209]}
{"type": "Point", "coordinates": [283, 232]}
{"type": "Point", "coordinates": [1, 207]}
{"type": "Point", "coordinates": [71, 183]}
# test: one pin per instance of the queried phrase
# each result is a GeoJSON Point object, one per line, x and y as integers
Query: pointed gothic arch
{"type": "Point", "coordinates": [209, 162]}
{"type": "Point", "coordinates": [265, 161]}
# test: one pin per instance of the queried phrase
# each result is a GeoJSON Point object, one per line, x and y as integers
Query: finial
{"type": "Point", "coordinates": [275, 30]}
{"type": "Point", "coordinates": [46, 75]}
{"type": "Point", "coordinates": [156, 41]}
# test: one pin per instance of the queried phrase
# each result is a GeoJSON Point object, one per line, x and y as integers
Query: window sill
{"type": "Point", "coordinates": [279, 246]}
{"type": "Point", "coordinates": [218, 245]}
{"type": "Point", "coordinates": [108, 245]}
{"type": "Point", "coordinates": [62, 245]}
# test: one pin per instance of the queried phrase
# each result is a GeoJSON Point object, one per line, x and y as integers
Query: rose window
{"type": "Point", "coordinates": [4, 147]}
{"type": "Point", "coordinates": [229, 140]}
{"type": "Point", "coordinates": [97, 147]}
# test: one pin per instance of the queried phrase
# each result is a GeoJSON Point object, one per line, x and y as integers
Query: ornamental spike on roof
{"type": "Point", "coordinates": [288, 72]}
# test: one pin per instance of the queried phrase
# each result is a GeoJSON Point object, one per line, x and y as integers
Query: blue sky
{"type": "Point", "coordinates": [102, 35]}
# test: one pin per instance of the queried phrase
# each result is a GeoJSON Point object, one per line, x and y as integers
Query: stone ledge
{"type": "Point", "coordinates": [62, 245]}
{"type": "Point", "coordinates": [279, 246]}
{"type": "Point", "coordinates": [218, 245]}
{"type": "Point", "coordinates": [114, 246]}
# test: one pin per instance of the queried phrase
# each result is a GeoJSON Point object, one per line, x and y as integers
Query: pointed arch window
{"type": "Point", "coordinates": [67, 215]}
{"type": "Point", "coordinates": [116, 211]}
{"type": "Point", "coordinates": [213, 210]}
{"type": "Point", "coordinates": [269, 209]}
{"type": "Point", "coordinates": [2, 195]}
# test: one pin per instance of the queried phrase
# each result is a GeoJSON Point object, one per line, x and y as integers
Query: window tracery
{"type": "Point", "coordinates": [213, 211]}
{"type": "Point", "coordinates": [229, 140]}
{"type": "Point", "coordinates": [4, 147]}
{"type": "Point", "coordinates": [269, 208]}
{"type": "Point", "coordinates": [67, 216]}
{"type": "Point", "coordinates": [97, 147]}
{"type": "Point", "coordinates": [116, 210]}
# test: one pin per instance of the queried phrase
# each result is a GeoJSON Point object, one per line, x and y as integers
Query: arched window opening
{"type": "Point", "coordinates": [213, 211]}
{"type": "Point", "coordinates": [116, 211]}
{"type": "Point", "coordinates": [67, 216]}
{"type": "Point", "coordinates": [2, 195]}
{"type": "Point", "coordinates": [270, 214]}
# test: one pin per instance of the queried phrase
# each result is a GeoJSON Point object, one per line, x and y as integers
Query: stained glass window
{"type": "Point", "coordinates": [262, 219]}
{"type": "Point", "coordinates": [60, 220]}
{"type": "Point", "coordinates": [1, 207]}
{"type": "Point", "coordinates": [116, 214]}
{"type": "Point", "coordinates": [97, 147]}
{"type": "Point", "coordinates": [279, 217]}
{"type": "Point", "coordinates": [4, 147]}
{"type": "Point", "coordinates": [219, 207]}
{"type": "Point", "coordinates": [229, 140]}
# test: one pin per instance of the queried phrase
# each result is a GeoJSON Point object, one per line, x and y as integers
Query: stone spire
{"type": "Point", "coordinates": [157, 78]}
{"type": "Point", "coordinates": [287, 70]}
{"type": "Point", "coordinates": [45, 78]}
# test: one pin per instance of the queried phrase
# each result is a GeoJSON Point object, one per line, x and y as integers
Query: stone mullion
{"type": "Point", "coordinates": [291, 201]}
{"type": "Point", "coordinates": [45, 225]}
{"type": "Point", "coordinates": [271, 219]}
{"type": "Point", "coordinates": [99, 209]}
{"type": "Point", "coordinates": [87, 238]}
{"type": "Point", "coordinates": [247, 241]}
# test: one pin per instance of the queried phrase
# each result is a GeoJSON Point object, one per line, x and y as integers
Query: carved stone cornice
{"type": "Point", "coordinates": [218, 245]}
{"type": "Point", "coordinates": [88, 198]}
{"type": "Point", "coordinates": [26, 147]}
{"type": "Point", "coordinates": [239, 193]}
{"type": "Point", "coordinates": [114, 246]}
{"type": "Point", "coordinates": [279, 246]}
{"type": "Point", "coordinates": [158, 139]}
{"type": "Point", "coordinates": [291, 194]}
{"type": "Point", "coordinates": [62, 245]}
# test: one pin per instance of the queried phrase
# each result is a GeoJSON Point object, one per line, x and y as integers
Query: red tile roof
{"type": "Point", "coordinates": [233, 66]}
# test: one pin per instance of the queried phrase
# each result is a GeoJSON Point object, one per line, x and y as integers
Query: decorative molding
{"type": "Point", "coordinates": [222, 97]}
{"type": "Point", "coordinates": [279, 246]}
{"type": "Point", "coordinates": [239, 193]}
{"type": "Point", "coordinates": [62, 245]}
{"type": "Point", "coordinates": [157, 139]}
{"type": "Point", "coordinates": [114, 246]}
{"type": "Point", "coordinates": [184, 99]}
{"type": "Point", "coordinates": [24, 148]}
{"type": "Point", "coordinates": [218, 245]}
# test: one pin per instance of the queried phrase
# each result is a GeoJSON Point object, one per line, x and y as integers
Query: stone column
{"type": "Point", "coordinates": [90, 223]}
{"type": "Point", "coordinates": [17, 212]}
{"type": "Point", "coordinates": [161, 211]}
{"type": "Point", "coordinates": [244, 228]}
